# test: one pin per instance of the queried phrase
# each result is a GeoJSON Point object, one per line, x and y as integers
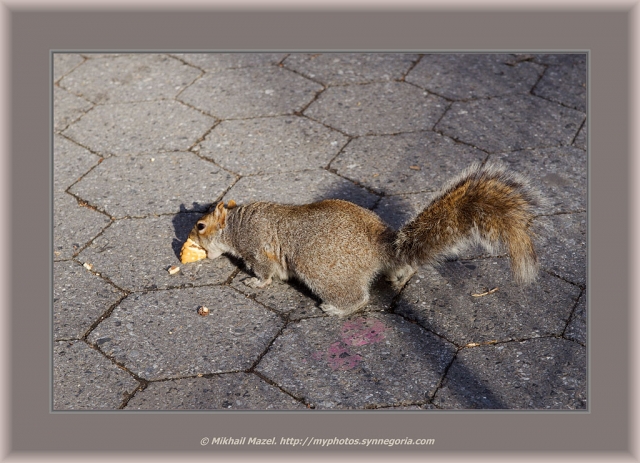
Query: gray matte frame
{"type": "Point", "coordinates": [605, 428]}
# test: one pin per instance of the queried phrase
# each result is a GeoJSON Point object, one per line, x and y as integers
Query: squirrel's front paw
{"type": "Point", "coordinates": [254, 282]}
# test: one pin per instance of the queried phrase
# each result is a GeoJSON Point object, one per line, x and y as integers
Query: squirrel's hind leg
{"type": "Point", "coordinates": [343, 307]}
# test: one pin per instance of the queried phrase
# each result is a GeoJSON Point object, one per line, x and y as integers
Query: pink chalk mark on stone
{"type": "Point", "coordinates": [339, 357]}
{"type": "Point", "coordinates": [360, 332]}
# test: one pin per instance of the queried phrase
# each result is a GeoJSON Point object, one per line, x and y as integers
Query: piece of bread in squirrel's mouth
{"type": "Point", "coordinates": [191, 252]}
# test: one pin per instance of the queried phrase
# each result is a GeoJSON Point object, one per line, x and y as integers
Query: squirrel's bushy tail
{"type": "Point", "coordinates": [485, 205]}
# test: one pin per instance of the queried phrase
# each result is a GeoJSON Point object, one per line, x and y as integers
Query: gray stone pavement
{"type": "Point", "coordinates": [143, 144]}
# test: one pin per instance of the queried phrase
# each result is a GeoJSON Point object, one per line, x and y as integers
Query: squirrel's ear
{"type": "Point", "coordinates": [219, 215]}
{"type": "Point", "coordinates": [231, 204]}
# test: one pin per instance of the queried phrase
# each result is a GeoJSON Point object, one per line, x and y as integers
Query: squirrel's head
{"type": "Point", "coordinates": [206, 232]}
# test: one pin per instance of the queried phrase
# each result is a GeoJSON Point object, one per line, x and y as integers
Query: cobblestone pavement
{"type": "Point", "coordinates": [143, 144]}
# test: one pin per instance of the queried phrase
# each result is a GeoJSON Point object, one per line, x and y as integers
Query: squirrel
{"type": "Point", "coordinates": [337, 248]}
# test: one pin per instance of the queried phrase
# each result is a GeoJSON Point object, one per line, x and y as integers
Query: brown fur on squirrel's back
{"type": "Point", "coordinates": [326, 242]}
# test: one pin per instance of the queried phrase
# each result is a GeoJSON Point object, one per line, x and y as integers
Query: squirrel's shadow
{"type": "Point", "coordinates": [395, 211]}
{"type": "Point", "coordinates": [183, 222]}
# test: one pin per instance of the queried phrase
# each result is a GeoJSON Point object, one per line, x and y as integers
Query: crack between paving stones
{"type": "Point", "coordinates": [461, 142]}
{"type": "Point", "coordinates": [413, 65]}
{"type": "Point", "coordinates": [90, 242]}
{"type": "Point", "coordinates": [281, 62]}
{"type": "Point", "coordinates": [306, 77]}
{"type": "Point", "coordinates": [272, 383]}
{"type": "Point", "coordinates": [194, 376]}
{"type": "Point", "coordinates": [75, 142]}
{"type": "Point", "coordinates": [284, 317]}
{"type": "Point", "coordinates": [544, 71]}
{"type": "Point", "coordinates": [356, 183]}
{"type": "Point", "coordinates": [84, 60]}
{"type": "Point", "coordinates": [116, 363]}
{"type": "Point", "coordinates": [432, 93]}
{"type": "Point", "coordinates": [141, 387]}
{"type": "Point", "coordinates": [328, 167]}
{"type": "Point", "coordinates": [443, 377]}
{"type": "Point", "coordinates": [326, 125]}
{"type": "Point", "coordinates": [84, 203]}
{"type": "Point", "coordinates": [202, 138]}
{"type": "Point", "coordinates": [584, 122]}
{"type": "Point", "coordinates": [572, 314]}
{"type": "Point", "coordinates": [559, 103]}
{"type": "Point", "coordinates": [194, 66]}
{"type": "Point", "coordinates": [578, 285]}
{"type": "Point", "coordinates": [79, 95]}
{"type": "Point", "coordinates": [252, 368]}
{"type": "Point", "coordinates": [104, 316]}
{"type": "Point", "coordinates": [300, 113]}
{"type": "Point", "coordinates": [392, 310]}
{"type": "Point", "coordinates": [230, 172]}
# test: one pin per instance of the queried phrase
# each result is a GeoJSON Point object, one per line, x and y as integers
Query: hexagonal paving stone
{"type": "Point", "coordinates": [359, 362]}
{"type": "Point", "coordinates": [234, 391]}
{"type": "Point", "coordinates": [79, 299]}
{"type": "Point", "coordinates": [299, 188]}
{"type": "Point", "coordinates": [273, 144]}
{"type": "Point", "coordinates": [351, 68]}
{"type": "Point", "coordinates": [511, 123]}
{"type": "Point", "coordinates": [84, 379]}
{"type": "Point", "coordinates": [73, 225]}
{"type": "Point", "coordinates": [70, 162]}
{"type": "Point", "coordinates": [129, 78]}
{"type": "Point", "coordinates": [440, 299]}
{"type": "Point", "coordinates": [136, 186]}
{"type": "Point", "coordinates": [562, 248]}
{"type": "Point", "coordinates": [217, 61]}
{"type": "Point", "coordinates": [560, 175]}
{"type": "Point", "coordinates": [136, 253]}
{"type": "Point", "coordinates": [377, 109]}
{"type": "Point", "coordinates": [63, 63]}
{"type": "Point", "coordinates": [67, 108]}
{"type": "Point", "coordinates": [406, 163]}
{"type": "Point", "coordinates": [577, 328]}
{"type": "Point", "coordinates": [159, 335]}
{"type": "Point", "coordinates": [136, 128]}
{"type": "Point", "coordinates": [250, 92]}
{"type": "Point", "coordinates": [566, 84]}
{"type": "Point", "coordinates": [474, 75]}
{"type": "Point", "coordinates": [537, 374]}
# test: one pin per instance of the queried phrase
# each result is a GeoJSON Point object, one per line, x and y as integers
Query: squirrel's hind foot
{"type": "Point", "coordinates": [398, 277]}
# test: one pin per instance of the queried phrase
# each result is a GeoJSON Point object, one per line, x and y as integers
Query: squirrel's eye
{"type": "Point", "coordinates": [202, 226]}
